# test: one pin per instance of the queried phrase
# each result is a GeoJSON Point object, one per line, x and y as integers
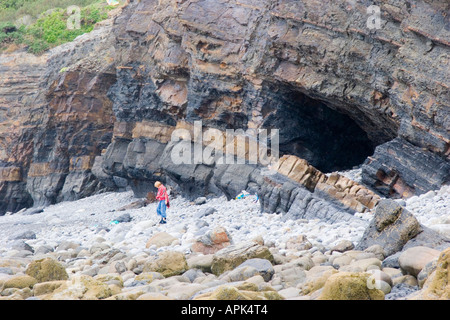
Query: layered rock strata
{"type": "Point", "coordinates": [338, 90]}
{"type": "Point", "coordinates": [278, 62]}
{"type": "Point", "coordinates": [57, 119]}
{"type": "Point", "coordinates": [19, 85]}
{"type": "Point", "coordinates": [151, 158]}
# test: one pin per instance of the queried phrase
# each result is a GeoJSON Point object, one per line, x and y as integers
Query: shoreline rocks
{"type": "Point", "coordinates": [349, 286]}
{"type": "Point", "coordinates": [140, 259]}
{"type": "Point", "coordinates": [172, 275]}
{"type": "Point", "coordinates": [232, 256]}
{"type": "Point", "coordinates": [414, 259]}
{"type": "Point", "coordinates": [395, 228]}
{"type": "Point", "coordinates": [213, 241]}
{"type": "Point", "coordinates": [392, 227]}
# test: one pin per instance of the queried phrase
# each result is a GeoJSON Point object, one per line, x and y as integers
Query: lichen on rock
{"type": "Point", "coordinates": [47, 269]}
{"type": "Point", "coordinates": [349, 286]}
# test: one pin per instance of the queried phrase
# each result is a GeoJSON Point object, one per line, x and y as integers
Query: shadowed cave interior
{"type": "Point", "coordinates": [308, 128]}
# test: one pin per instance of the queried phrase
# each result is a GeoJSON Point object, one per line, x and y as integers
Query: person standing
{"type": "Point", "coordinates": [163, 201]}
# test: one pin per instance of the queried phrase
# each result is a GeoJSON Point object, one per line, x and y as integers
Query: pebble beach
{"type": "Point", "coordinates": [103, 240]}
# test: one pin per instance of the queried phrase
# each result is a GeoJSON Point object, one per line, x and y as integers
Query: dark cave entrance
{"type": "Point", "coordinates": [308, 128]}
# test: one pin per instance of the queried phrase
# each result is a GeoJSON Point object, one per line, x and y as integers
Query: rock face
{"type": "Point", "coordinates": [57, 119]}
{"type": "Point", "coordinates": [334, 187]}
{"type": "Point", "coordinates": [78, 120]}
{"type": "Point", "coordinates": [414, 171]}
{"type": "Point", "coordinates": [337, 89]}
{"type": "Point", "coordinates": [19, 85]}
{"type": "Point", "coordinates": [281, 65]}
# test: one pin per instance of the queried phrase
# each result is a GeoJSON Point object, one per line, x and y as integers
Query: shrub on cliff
{"type": "Point", "coordinates": [9, 34]}
{"type": "Point", "coordinates": [11, 10]}
{"type": "Point", "coordinates": [51, 28]}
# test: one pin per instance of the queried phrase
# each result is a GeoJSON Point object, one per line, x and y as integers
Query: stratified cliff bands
{"type": "Point", "coordinates": [54, 119]}
{"type": "Point", "coordinates": [99, 113]}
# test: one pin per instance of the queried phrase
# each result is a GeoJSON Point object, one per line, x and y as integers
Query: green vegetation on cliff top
{"type": "Point", "coordinates": [39, 25]}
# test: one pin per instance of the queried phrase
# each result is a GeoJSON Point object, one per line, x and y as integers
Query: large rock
{"type": "Point", "coordinates": [47, 270]}
{"type": "Point", "coordinates": [298, 243]}
{"type": "Point", "coordinates": [234, 255]}
{"type": "Point", "coordinates": [28, 234]}
{"type": "Point", "coordinates": [201, 262]}
{"type": "Point", "coordinates": [379, 280]}
{"type": "Point", "coordinates": [349, 286]}
{"type": "Point", "coordinates": [342, 246]}
{"type": "Point", "coordinates": [291, 276]}
{"type": "Point", "coordinates": [168, 263]}
{"type": "Point", "coordinates": [277, 193]}
{"type": "Point", "coordinates": [316, 278]}
{"type": "Point", "coordinates": [428, 238]}
{"type": "Point", "coordinates": [263, 266]}
{"type": "Point", "coordinates": [213, 241]}
{"type": "Point", "coordinates": [80, 288]}
{"type": "Point", "coordinates": [47, 287]}
{"type": "Point", "coordinates": [161, 239]}
{"type": "Point", "coordinates": [20, 282]}
{"type": "Point", "coordinates": [414, 259]}
{"type": "Point", "coordinates": [437, 286]}
{"type": "Point", "coordinates": [391, 227]}
{"type": "Point", "coordinates": [361, 265]}
{"type": "Point", "coordinates": [334, 187]}
{"type": "Point", "coordinates": [184, 291]}
{"type": "Point", "coordinates": [240, 274]}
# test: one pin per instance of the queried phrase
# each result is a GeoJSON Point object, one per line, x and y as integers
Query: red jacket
{"type": "Point", "coordinates": [162, 193]}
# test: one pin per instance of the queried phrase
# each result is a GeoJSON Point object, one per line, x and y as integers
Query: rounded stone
{"type": "Point", "coordinates": [46, 270]}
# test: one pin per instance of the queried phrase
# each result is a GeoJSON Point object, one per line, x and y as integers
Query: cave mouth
{"type": "Point", "coordinates": [308, 128]}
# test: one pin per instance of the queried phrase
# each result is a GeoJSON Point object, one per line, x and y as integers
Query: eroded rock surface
{"type": "Point", "coordinates": [334, 87]}
{"type": "Point", "coordinates": [285, 65]}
